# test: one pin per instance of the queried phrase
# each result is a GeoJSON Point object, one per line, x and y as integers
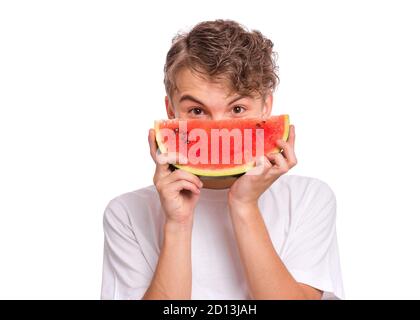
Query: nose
{"type": "Point", "coordinates": [218, 116]}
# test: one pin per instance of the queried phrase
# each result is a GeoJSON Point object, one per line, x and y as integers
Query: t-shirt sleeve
{"type": "Point", "coordinates": [126, 273]}
{"type": "Point", "coordinates": [311, 254]}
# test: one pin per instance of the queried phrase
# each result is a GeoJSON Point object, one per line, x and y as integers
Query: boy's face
{"type": "Point", "coordinates": [198, 98]}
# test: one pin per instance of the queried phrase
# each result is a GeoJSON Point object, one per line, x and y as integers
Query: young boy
{"type": "Point", "coordinates": [257, 236]}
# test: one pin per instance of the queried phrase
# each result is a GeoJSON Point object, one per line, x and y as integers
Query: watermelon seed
{"type": "Point", "coordinates": [258, 125]}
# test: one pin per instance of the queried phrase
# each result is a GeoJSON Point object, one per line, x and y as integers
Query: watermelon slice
{"type": "Point", "coordinates": [218, 148]}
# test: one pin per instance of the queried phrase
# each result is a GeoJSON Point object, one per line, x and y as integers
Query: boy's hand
{"type": "Point", "coordinates": [178, 190]}
{"type": "Point", "coordinates": [247, 189]}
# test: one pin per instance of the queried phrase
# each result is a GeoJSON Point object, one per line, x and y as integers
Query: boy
{"type": "Point", "coordinates": [257, 236]}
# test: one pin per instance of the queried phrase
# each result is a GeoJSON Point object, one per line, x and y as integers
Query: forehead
{"type": "Point", "coordinates": [193, 83]}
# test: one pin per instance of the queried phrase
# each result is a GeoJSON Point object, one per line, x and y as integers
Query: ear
{"type": "Point", "coordinates": [169, 108]}
{"type": "Point", "coordinates": [267, 106]}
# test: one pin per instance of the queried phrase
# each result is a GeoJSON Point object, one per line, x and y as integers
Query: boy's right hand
{"type": "Point", "coordinates": [178, 190]}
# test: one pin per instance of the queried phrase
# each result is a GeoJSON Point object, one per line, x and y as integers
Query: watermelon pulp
{"type": "Point", "coordinates": [220, 147]}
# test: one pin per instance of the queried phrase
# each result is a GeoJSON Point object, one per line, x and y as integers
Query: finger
{"type": "Point", "coordinates": [184, 185]}
{"type": "Point", "coordinates": [288, 153]}
{"type": "Point", "coordinates": [267, 164]}
{"type": "Point", "coordinates": [262, 165]}
{"type": "Point", "coordinates": [280, 164]}
{"type": "Point", "coordinates": [277, 159]}
{"type": "Point", "coordinates": [162, 167]}
{"type": "Point", "coordinates": [163, 160]}
{"type": "Point", "coordinates": [152, 144]}
{"type": "Point", "coordinates": [171, 158]}
{"type": "Point", "coordinates": [184, 175]}
{"type": "Point", "coordinates": [292, 136]}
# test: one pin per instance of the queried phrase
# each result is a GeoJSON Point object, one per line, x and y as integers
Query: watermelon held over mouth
{"type": "Point", "coordinates": [218, 148]}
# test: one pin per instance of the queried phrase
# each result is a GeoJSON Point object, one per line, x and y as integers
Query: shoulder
{"type": "Point", "coordinates": [128, 207]}
{"type": "Point", "coordinates": [306, 197]}
{"type": "Point", "coordinates": [306, 187]}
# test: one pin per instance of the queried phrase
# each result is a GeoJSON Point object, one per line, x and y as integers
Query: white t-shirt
{"type": "Point", "coordinates": [299, 213]}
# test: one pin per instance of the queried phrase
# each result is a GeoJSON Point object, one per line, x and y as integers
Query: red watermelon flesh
{"type": "Point", "coordinates": [220, 147]}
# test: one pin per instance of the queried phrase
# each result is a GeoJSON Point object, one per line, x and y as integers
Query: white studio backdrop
{"type": "Point", "coordinates": [82, 81]}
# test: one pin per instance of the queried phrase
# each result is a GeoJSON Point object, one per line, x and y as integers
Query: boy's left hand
{"type": "Point", "coordinates": [247, 189]}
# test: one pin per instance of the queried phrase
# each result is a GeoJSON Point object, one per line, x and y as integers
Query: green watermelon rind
{"type": "Point", "coordinates": [219, 172]}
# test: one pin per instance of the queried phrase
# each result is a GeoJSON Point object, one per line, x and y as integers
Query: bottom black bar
{"type": "Point", "coordinates": [209, 309]}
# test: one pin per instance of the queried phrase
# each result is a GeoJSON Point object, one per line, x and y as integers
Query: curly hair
{"type": "Point", "coordinates": [224, 51]}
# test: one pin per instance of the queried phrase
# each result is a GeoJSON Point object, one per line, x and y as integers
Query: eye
{"type": "Point", "coordinates": [196, 111]}
{"type": "Point", "coordinates": [238, 109]}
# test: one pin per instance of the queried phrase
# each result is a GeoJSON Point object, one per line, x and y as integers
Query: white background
{"type": "Point", "coordinates": [82, 81]}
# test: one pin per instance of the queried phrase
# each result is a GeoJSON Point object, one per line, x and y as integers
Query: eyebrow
{"type": "Point", "coordinates": [190, 98]}
{"type": "Point", "coordinates": [193, 99]}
